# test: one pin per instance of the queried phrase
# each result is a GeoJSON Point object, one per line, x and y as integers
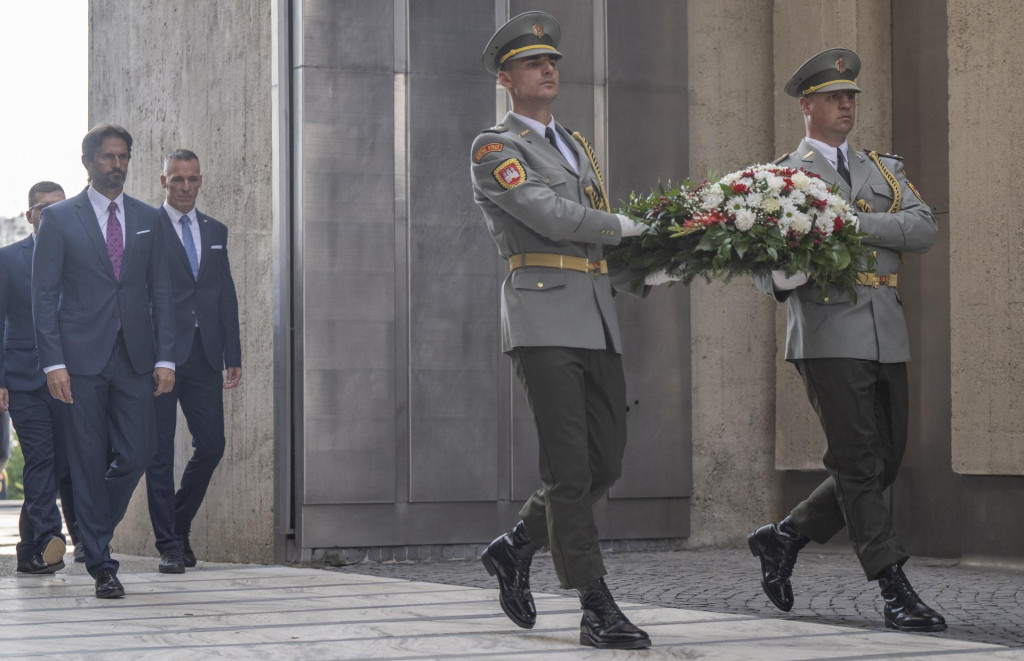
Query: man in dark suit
{"type": "Point", "coordinates": [101, 300]}
{"type": "Point", "coordinates": [206, 341]}
{"type": "Point", "coordinates": [38, 418]}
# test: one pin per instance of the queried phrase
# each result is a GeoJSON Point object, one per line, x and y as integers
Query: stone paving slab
{"type": "Point", "coordinates": [980, 604]}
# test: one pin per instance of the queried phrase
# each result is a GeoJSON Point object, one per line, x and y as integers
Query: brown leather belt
{"type": "Point", "coordinates": [876, 281]}
{"type": "Point", "coordinates": [552, 261]}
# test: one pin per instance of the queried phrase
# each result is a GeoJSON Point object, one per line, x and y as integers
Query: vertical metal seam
{"type": "Point", "coordinates": [601, 88]}
{"type": "Point", "coordinates": [403, 251]}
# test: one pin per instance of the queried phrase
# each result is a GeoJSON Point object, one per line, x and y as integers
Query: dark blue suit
{"type": "Point", "coordinates": [39, 419]}
{"type": "Point", "coordinates": [109, 332]}
{"type": "Point", "coordinates": [206, 340]}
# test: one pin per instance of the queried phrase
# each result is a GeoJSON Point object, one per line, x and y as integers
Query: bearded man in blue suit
{"type": "Point", "coordinates": [101, 302]}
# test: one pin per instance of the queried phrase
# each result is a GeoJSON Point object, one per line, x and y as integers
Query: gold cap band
{"type": "Point", "coordinates": [517, 51]}
{"type": "Point", "coordinates": [815, 88]}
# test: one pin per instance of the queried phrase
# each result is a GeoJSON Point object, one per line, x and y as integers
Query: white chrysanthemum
{"type": "Point", "coordinates": [801, 181]}
{"type": "Point", "coordinates": [775, 183]}
{"type": "Point", "coordinates": [712, 196]}
{"type": "Point", "coordinates": [753, 200]}
{"type": "Point", "coordinates": [800, 223]}
{"type": "Point", "coordinates": [770, 204]}
{"type": "Point", "coordinates": [745, 219]}
{"type": "Point", "coordinates": [817, 188]}
{"type": "Point", "coordinates": [797, 198]}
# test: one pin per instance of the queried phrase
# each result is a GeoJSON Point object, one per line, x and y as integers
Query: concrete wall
{"type": "Point", "coordinates": [196, 74]}
{"type": "Point", "coordinates": [735, 486]}
{"type": "Point", "coordinates": [987, 245]}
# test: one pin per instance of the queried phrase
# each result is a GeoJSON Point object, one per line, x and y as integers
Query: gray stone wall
{"type": "Point", "coordinates": [196, 74]}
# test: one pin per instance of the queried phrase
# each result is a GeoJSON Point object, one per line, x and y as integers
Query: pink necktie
{"type": "Point", "coordinates": [115, 240]}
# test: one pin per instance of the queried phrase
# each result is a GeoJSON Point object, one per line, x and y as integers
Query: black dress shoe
{"type": "Point", "coordinates": [53, 551]}
{"type": "Point", "coordinates": [33, 564]}
{"type": "Point", "coordinates": [188, 556]}
{"type": "Point", "coordinates": [603, 624]}
{"type": "Point", "coordinates": [79, 552]}
{"type": "Point", "coordinates": [777, 546]}
{"type": "Point", "coordinates": [904, 610]}
{"type": "Point", "coordinates": [508, 557]}
{"type": "Point", "coordinates": [171, 562]}
{"type": "Point", "coordinates": [107, 585]}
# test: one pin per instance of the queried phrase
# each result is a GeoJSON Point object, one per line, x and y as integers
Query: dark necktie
{"type": "Point", "coordinates": [190, 245]}
{"type": "Point", "coordinates": [550, 135]}
{"type": "Point", "coordinates": [115, 240]}
{"type": "Point", "coordinates": [841, 167]}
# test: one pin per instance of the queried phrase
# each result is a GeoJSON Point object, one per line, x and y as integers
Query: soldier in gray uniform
{"type": "Point", "coordinates": [851, 355]}
{"type": "Point", "coordinates": [542, 196]}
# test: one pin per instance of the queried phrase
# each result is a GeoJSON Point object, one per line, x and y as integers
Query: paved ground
{"type": "Point", "coordinates": [980, 605]}
{"type": "Point", "coordinates": [695, 605]}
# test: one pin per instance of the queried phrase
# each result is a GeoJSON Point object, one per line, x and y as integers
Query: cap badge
{"type": "Point", "coordinates": [538, 30]}
{"type": "Point", "coordinates": [840, 65]}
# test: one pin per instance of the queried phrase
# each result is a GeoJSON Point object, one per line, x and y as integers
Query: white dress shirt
{"type": "Point", "coordinates": [567, 151]}
{"type": "Point", "coordinates": [829, 152]}
{"type": "Point", "coordinates": [193, 226]}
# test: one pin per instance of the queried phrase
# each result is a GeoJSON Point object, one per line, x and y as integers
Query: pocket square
{"type": "Point", "coordinates": [220, 247]}
{"type": "Point", "coordinates": [142, 232]}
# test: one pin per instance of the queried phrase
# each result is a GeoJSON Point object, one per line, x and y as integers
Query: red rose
{"type": "Point", "coordinates": [837, 224]}
{"type": "Point", "coordinates": [739, 188]}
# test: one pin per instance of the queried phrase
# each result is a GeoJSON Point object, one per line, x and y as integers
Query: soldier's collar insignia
{"type": "Point", "coordinates": [809, 154]}
{"type": "Point", "coordinates": [523, 134]}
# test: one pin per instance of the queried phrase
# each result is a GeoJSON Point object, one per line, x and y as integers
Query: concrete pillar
{"type": "Point", "coordinates": [732, 325]}
{"type": "Point", "coordinates": [197, 75]}
{"type": "Point", "coordinates": [801, 29]}
{"type": "Point", "coordinates": [986, 242]}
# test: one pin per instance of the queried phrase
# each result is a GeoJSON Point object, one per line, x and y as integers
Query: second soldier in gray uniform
{"type": "Point", "coordinates": [851, 355]}
{"type": "Point", "coordinates": [541, 193]}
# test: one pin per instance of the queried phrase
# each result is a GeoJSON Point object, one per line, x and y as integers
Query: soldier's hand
{"type": "Point", "coordinates": [58, 381]}
{"type": "Point", "coordinates": [232, 377]}
{"type": "Point", "coordinates": [163, 377]}
{"type": "Point", "coordinates": [5, 400]}
{"type": "Point", "coordinates": [630, 227]}
{"type": "Point", "coordinates": [783, 282]}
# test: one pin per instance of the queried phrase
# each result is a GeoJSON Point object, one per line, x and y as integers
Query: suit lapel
{"type": "Point", "coordinates": [540, 144]}
{"type": "Point", "coordinates": [131, 227]}
{"type": "Point", "coordinates": [204, 241]}
{"type": "Point", "coordinates": [582, 161]}
{"type": "Point", "coordinates": [819, 165]}
{"type": "Point", "coordinates": [86, 216]}
{"type": "Point", "coordinates": [178, 248]}
{"type": "Point", "coordinates": [27, 248]}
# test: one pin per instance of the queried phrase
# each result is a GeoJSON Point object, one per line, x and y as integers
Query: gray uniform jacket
{"type": "Point", "coordinates": [534, 202]}
{"type": "Point", "coordinates": [873, 327]}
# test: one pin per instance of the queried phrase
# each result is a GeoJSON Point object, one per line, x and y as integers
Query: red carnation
{"type": "Point", "coordinates": [837, 224]}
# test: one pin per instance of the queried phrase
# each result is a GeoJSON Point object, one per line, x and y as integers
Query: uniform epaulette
{"type": "Point", "coordinates": [500, 128]}
{"type": "Point", "coordinates": [894, 157]}
{"type": "Point", "coordinates": [780, 159]}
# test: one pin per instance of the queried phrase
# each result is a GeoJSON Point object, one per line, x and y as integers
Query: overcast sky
{"type": "Point", "coordinates": [44, 104]}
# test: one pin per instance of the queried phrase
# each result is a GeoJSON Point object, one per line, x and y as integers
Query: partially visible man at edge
{"type": "Point", "coordinates": [38, 418]}
{"type": "Point", "coordinates": [101, 300]}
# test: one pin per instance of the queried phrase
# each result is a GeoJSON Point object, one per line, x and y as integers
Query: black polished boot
{"type": "Point", "coordinates": [603, 624]}
{"type": "Point", "coordinates": [509, 557]}
{"type": "Point", "coordinates": [904, 610]}
{"type": "Point", "coordinates": [777, 545]}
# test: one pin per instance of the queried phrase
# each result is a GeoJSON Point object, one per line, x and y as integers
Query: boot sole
{"type": "Point", "coordinates": [931, 628]}
{"type": "Point", "coordinates": [588, 641]}
{"type": "Point", "coordinates": [493, 571]}
{"type": "Point", "coordinates": [755, 550]}
{"type": "Point", "coordinates": [54, 551]}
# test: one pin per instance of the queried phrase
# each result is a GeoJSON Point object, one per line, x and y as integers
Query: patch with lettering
{"type": "Point", "coordinates": [912, 187]}
{"type": "Point", "coordinates": [510, 173]}
{"type": "Point", "coordinates": [487, 149]}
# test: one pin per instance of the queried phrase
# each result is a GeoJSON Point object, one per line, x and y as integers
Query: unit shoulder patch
{"type": "Point", "coordinates": [487, 149]}
{"type": "Point", "coordinates": [510, 173]}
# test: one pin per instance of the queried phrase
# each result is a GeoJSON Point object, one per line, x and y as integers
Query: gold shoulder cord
{"type": "Point", "coordinates": [890, 178]}
{"type": "Point", "coordinates": [597, 171]}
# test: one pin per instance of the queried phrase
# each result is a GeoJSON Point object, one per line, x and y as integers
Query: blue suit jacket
{"type": "Point", "coordinates": [19, 360]}
{"type": "Point", "coordinates": [77, 302]}
{"type": "Point", "coordinates": [211, 295]}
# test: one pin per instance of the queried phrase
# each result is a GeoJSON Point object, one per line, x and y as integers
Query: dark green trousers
{"type": "Point", "coordinates": [862, 405]}
{"type": "Point", "coordinates": [578, 399]}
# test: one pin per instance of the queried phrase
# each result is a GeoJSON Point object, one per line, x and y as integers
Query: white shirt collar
{"type": "Point", "coordinates": [101, 204]}
{"type": "Point", "coordinates": [829, 152]}
{"type": "Point", "coordinates": [535, 125]}
{"type": "Point", "coordinates": [176, 215]}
